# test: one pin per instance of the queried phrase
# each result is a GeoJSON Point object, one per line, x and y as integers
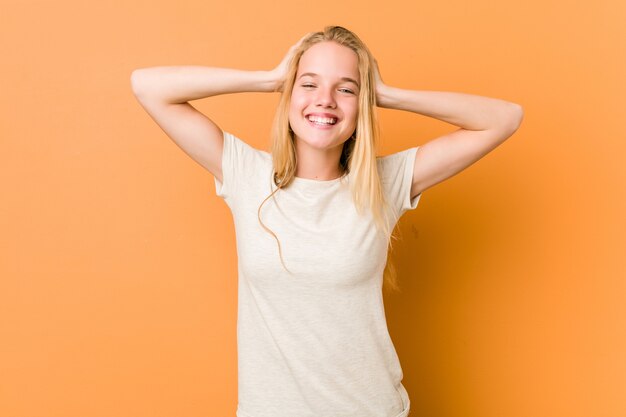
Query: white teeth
{"type": "Point", "coordinates": [323, 120]}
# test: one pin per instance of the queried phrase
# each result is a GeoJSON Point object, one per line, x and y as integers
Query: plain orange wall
{"type": "Point", "coordinates": [118, 262]}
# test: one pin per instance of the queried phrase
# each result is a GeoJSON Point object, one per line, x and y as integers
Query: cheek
{"type": "Point", "coordinates": [354, 113]}
{"type": "Point", "coordinates": [350, 106]}
{"type": "Point", "coordinates": [297, 102]}
{"type": "Point", "coordinates": [294, 105]}
{"type": "Point", "coordinates": [293, 114]}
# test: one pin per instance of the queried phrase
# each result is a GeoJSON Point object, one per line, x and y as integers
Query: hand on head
{"type": "Point", "coordinates": [380, 85]}
{"type": "Point", "coordinates": [280, 71]}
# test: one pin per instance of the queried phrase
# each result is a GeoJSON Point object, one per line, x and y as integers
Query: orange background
{"type": "Point", "coordinates": [118, 262]}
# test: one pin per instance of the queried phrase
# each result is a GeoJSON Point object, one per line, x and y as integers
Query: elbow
{"type": "Point", "coordinates": [135, 81]}
{"type": "Point", "coordinates": [515, 118]}
{"type": "Point", "coordinates": [519, 113]}
{"type": "Point", "coordinates": [510, 120]}
{"type": "Point", "coordinates": [142, 81]}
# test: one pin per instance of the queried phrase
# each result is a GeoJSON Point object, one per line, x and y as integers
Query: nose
{"type": "Point", "coordinates": [325, 97]}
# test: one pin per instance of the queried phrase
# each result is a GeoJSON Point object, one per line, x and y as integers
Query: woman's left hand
{"type": "Point", "coordinates": [380, 86]}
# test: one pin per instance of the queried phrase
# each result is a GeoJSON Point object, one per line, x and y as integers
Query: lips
{"type": "Point", "coordinates": [322, 119]}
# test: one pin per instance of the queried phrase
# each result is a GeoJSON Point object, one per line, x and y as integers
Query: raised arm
{"type": "Point", "coordinates": [484, 123]}
{"type": "Point", "coordinates": [164, 93]}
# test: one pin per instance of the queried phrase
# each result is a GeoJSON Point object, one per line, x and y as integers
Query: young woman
{"type": "Point", "coordinates": [314, 217]}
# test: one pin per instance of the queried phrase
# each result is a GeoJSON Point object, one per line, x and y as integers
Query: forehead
{"type": "Point", "coordinates": [329, 59]}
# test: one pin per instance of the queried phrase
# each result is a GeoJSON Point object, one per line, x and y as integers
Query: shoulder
{"type": "Point", "coordinates": [242, 155]}
{"type": "Point", "coordinates": [396, 176]}
{"type": "Point", "coordinates": [242, 147]}
{"type": "Point", "coordinates": [397, 164]}
{"type": "Point", "coordinates": [242, 164]}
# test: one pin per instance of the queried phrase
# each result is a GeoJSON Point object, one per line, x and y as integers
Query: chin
{"type": "Point", "coordinates": [321, 144]}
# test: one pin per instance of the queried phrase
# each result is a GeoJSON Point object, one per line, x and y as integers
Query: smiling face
{"type": "Point", "coordinates": [325, 96]}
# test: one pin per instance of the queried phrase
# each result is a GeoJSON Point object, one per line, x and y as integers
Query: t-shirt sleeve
{"type": "Point", "coordinates": [397, 179]}
{"type": "Point", "coordinates": [239, 160]}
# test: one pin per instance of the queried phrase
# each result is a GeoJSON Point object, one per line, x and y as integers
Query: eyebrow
{"type": "Point", "coordinates": [348, 79]}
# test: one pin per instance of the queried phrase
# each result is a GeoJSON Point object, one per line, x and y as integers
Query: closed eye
{"type": "Point", "coordinates": [345, 90]}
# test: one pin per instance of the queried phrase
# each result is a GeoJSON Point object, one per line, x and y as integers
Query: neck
{"type": "Point", "coordinates": [318, 164]}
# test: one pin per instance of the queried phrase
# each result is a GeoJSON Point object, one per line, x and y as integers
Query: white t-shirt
{"type": "Point", "coordinates": [313, 342]}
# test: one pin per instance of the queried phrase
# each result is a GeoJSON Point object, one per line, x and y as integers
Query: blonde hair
{"type": "Point", "coordinates": [359, 152]}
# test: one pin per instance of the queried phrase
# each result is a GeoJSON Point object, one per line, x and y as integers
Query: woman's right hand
{"type": "Point", "coordinates": [280, 72]}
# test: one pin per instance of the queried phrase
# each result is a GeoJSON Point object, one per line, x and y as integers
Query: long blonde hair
{"type": "Point", "coordinates": [359, 152]}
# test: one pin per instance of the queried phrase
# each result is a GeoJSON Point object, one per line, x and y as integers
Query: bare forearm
{"type": "Point", "coordinates": [464, 110]}
{"type": "Point", "coordinates": [179, 84]}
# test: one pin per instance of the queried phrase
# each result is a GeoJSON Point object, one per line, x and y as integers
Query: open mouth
{"type": "Point", "coordinates": [322, 121]}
